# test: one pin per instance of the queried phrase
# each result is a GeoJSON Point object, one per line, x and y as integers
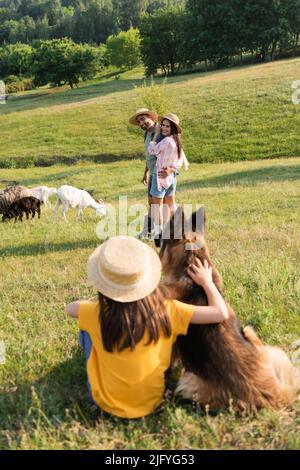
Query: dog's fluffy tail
{"type": "Point", "coordinates": [287, 376]}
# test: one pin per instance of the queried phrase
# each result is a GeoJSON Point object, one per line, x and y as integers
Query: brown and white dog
{"type": "Point", "coordinates": [223, 363]}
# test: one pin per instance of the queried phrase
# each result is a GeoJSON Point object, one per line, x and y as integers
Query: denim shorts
{"type": "Point", "coordinates": [164, 192]}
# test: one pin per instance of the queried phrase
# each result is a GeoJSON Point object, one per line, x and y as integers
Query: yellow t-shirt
{"type": "Point", "coordinates": [130, 384]}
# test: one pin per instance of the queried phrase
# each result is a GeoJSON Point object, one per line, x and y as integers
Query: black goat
{"type": "Point", "coordinates": [28, 205]}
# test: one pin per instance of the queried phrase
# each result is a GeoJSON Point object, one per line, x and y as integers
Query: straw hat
{"type": "Point", "coordinates": [124, 269]}
{"type": "Point", "coordinates": [173, 118]}
{"type": "Point", "coordinates": [152, 114]}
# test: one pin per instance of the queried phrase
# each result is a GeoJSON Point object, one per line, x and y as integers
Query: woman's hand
{"type": "Point", "coordinates": [157, 128]}
{"type": "Point", "coordinates": [166, 171]}
{"type": "Point", "coordinates": [157, 131]}
{"type": "Point", "coordinates": [145, 178]}
{"type": "Point", "coordinates": [200, 273]}
{"type": "Point", "coordinates": [216, 311]}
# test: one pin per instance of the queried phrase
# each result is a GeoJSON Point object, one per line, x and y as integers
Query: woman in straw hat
{"type": "Point", "coordinates": [170, 154]}
{"type": "Point", "coordinates": [127, 335]}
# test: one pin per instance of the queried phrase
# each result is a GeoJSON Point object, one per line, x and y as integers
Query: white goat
{"type": "Point", "coordinates": [43, 193]}
{"type": "Point", "coordinates": [69, 196]}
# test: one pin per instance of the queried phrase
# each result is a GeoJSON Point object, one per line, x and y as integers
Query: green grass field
{"type": "Point", "coordinates": [230, 118]}
{"type": "Point", "coordinates": [243, 113]}
{"type": "Point", "coordinates": [253, 232]}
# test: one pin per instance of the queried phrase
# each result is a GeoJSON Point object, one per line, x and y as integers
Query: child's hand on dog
{"type": "Point", "coordinates": [201, 273]}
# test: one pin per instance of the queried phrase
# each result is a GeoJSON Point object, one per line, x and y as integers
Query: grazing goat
{"type": "Point", "coordinates": [43, 193]}
{"type": "Point", "coordinates": [223, 362]}
{"type": "Point", "coordinates": [26, 204]}
{"type": "Point", "coordinates": [69, 196]}
{"type": "Point", "coordinates": [12, 194]}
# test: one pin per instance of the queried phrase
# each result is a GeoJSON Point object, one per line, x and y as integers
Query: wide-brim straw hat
{"type": "Point", "coordinates": [152, 114]}
{"type": "Point", "coordinates": [173, 118]}
{"type": "Point", "coordinates": [124, 269]}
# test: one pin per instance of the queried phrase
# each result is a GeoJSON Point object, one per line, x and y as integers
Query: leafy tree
{"type": "Point", "coordinates": [219, 29]}
{"type": "Point", "coordinates": [25, 32]}
{"type": "Point", "coordinates": [53, 11]}
{"type": "Point", "coordinates": [154, 5]}
{"type": "Point", "coordinates": [215, 28]}
{"type": "Point", "coordinates": [93, 23]}
{"type": "Point", "coordinates": [65, 24]}
{"type": "Point", "coordinates": [124, 48]}
{"type": "Point", "coordinates": [163, 41]}
{"type": "Point", "coordinates": [292, 15]}
{"type": "Point", "coordinates": [5, 14]}
{"type": "Point", "coordinates": [8, 29]}
{"type": "Point", "coordinates": [127, 13]}
{"type": "Point", "coordinates": [266, 25]}
{"type": "Point", "coordinates": [61, 60]}
{"type": "Point", "coordinates": [16, 59]}
{"type": "Point", "coordinates": [42, 28]}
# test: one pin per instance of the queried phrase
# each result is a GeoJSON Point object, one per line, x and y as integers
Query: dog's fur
{"type": "Point", "coordinates": [224, 364]}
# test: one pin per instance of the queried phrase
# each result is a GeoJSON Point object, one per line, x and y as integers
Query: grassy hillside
{"type": "Point", "coordinates": [253, 232]}
{"type": "Point", "coordinates": [238, 114]}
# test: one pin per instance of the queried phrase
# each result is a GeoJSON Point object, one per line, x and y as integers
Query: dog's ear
{"type": "Point", "coordinates": [197, 221]}
{"type": "Point", "coordinates": [174, 228]}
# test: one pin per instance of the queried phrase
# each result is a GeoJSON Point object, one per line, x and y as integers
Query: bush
{"type": "Point", "coordinates": [12, 162]}
{"type": "Point", "coordinates": [154, 95]}
{"type": "Point", "coordinates": [28, 84]}
{"type": "Point", "coordinates": [11, 79]}
{"type": "Point", "coordinates": [13, 87]}
{"type": "Point", "coordinates": [15, 84]}
{"type": "Point", "coordinates": [8, 163]}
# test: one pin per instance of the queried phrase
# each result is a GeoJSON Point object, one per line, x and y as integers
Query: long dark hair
{"type": "Point", "coordinates": [123, 325]}
{"type": "Point", "coordinates": [176, 136]}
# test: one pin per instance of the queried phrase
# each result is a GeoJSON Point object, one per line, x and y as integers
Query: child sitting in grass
{"type": "Point", "coordinates": [127, 335]}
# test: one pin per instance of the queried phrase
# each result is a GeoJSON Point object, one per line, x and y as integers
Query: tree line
{"type": "Point", "coordinates": [61, 61]}
{"type": "Point", "coordinates": [214, 32]}
{"type": "Point", "coordinates": [167, 36]}
{"type": "Point", "coordinates": [86, 21]}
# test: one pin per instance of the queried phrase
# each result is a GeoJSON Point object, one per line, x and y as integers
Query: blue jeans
{"type": "Point", "coordinates": [85, 343]}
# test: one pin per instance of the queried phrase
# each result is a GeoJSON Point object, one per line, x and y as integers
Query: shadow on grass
{"type": "Point", "coordinates": [63, 388]}
{"type": "Point", "coordinates": [51, 178]}
{"type": "Point", "coordinates": [57, 97]}
{"type": "Point", "coordinates": [65, 175]}
{"type": "Point", "coordinates": [53, 97]}
{"type": "Point", "coordinates": [247, 177]}
{"type": "Point", "coordinates": [60, 397]}
{"type": "Point", "coordinates": [32, 250]}
{"type": "Point", "coordinates": [21, 162]}
{"type": "Point", "coordinates": [243, 178]}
